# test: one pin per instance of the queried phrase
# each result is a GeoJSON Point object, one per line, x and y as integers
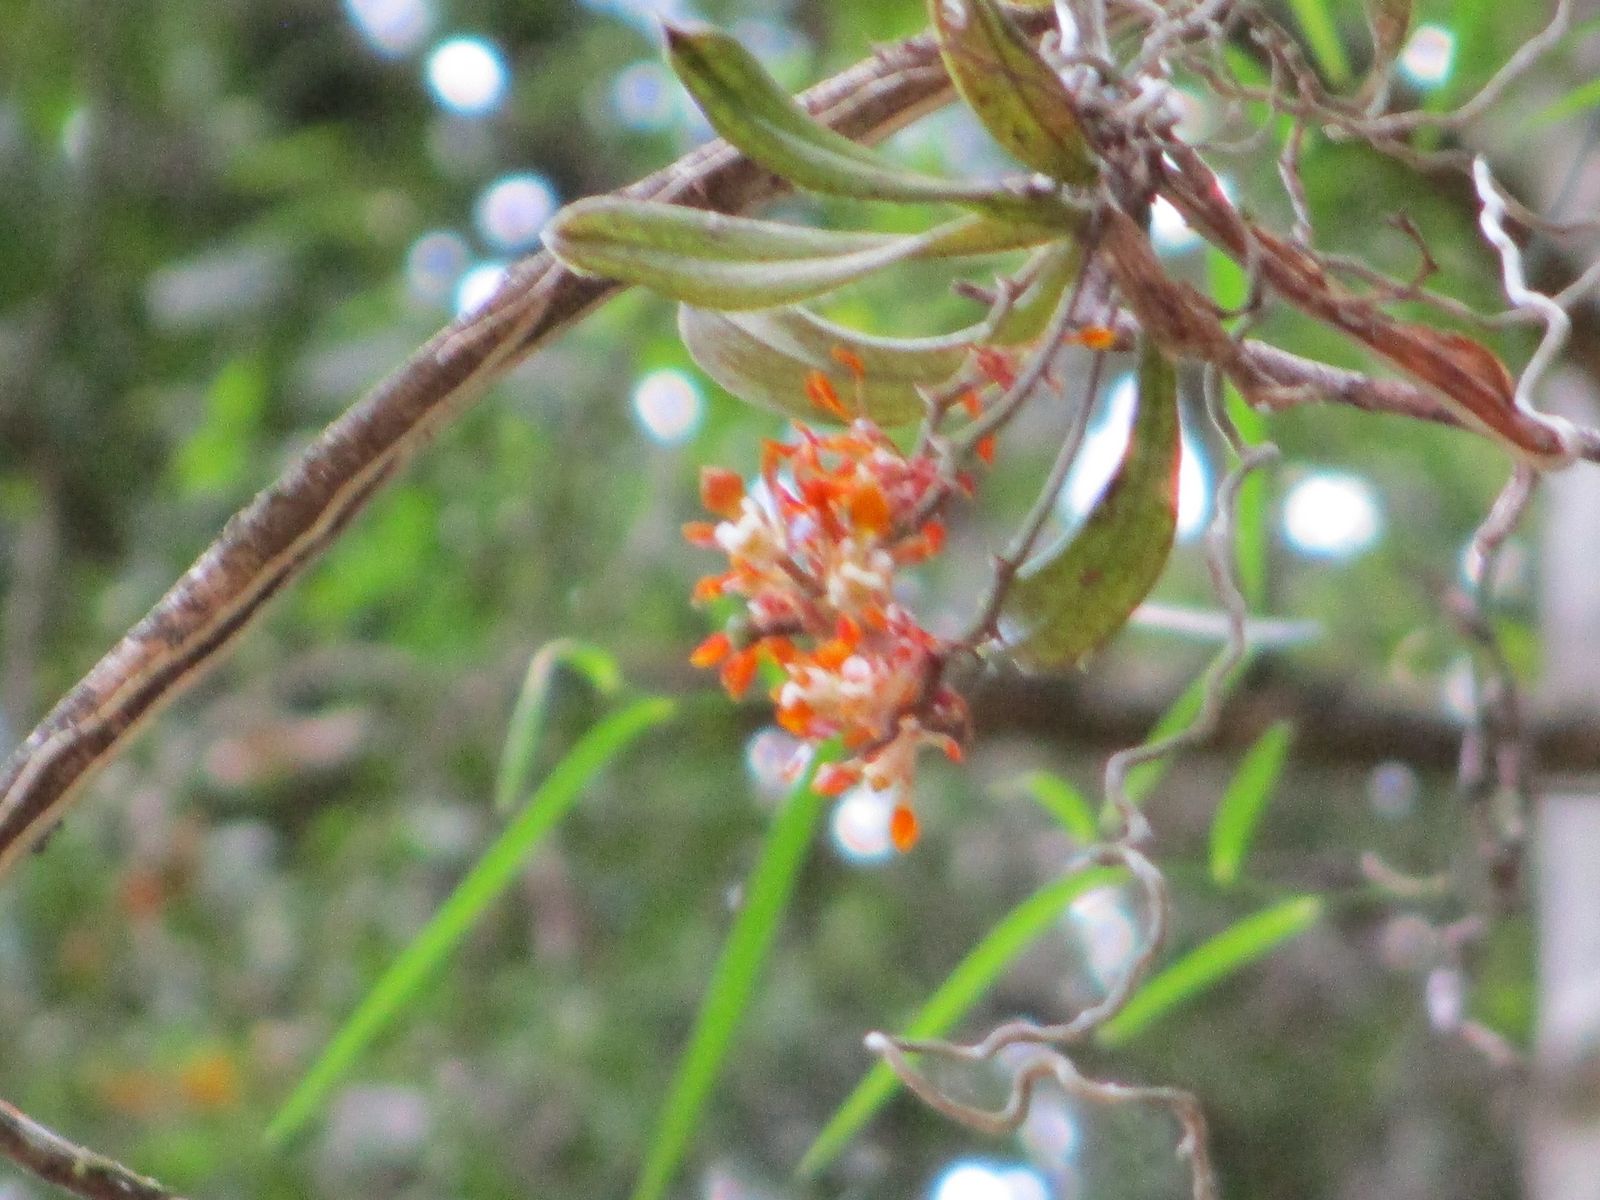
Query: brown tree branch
{"type": "Point", "coordinates": [80, 1172]}
{"type": "Point", "coordinates": [286, 528]}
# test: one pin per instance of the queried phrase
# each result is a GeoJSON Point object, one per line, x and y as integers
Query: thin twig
{"type": "Point", "coordinates": [80, 1172]}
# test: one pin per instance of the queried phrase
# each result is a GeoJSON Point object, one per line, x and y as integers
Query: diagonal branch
{"type": "Point", "coordinates": [52, 1158]}
{"type": "Point", "coordinates": [271, 542]}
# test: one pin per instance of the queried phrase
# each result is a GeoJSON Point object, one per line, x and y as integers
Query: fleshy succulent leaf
{"type": "Point", "coordinates": [1016, 94]}
{"type": "Point", "coordinates": [1075, 595]}
{"type": "Point", "coordinates": [754, 113]}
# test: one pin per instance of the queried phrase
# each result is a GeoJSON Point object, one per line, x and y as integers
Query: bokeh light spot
{"type": "Point", "coordinates": [644, 97]}
{"type": "Point", "coordinates": [1105, 931]}
{"type": "Point", "coordinates": [669, 406]}
{"type": "Point", "coordinates": [1332, 515]}
{"type": "Point", "coordinates": [1428, 56]}
{"type": "Point", "coordinates": [860, 826]}
{"type": "Point", "coordinates": [434, 263]}
{"type": "Point", "coordinates": [468, 75]}
{"type": "Point", "coordinates": [393, 27]}
{"type": "Point", "coordinates": [513, 210]}
{"type": "Point", "coordinates": [477, 286]}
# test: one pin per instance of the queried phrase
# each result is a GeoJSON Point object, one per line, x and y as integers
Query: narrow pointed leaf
{"type": "Point", "coordinates": [1065, 803]}
{"type": "Point", "coordinates": [1239, 814]}
{"type": "Point", "coordinates": [1014, 92]}
{"type": "Point", "coordinates": [1210, 963]}
{"type": "Point", "coordinates": [733, 980]}
{"type": "Point", "coordinates": [1074, 596]}
{"type": "Point", "coordinates": [963, 988]}
{"type": "Point", "coordinates": [754, 113]}
{"type": "Point", "coordinates": [718, 261]}
{"type": "Point", "coordinates": [526, 728]}
{"type": "Point", "coordinates": [1180, 714]}
{"type": "Point", "coordinates": [494, 872]}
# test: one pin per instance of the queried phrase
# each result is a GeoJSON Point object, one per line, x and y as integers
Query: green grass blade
{"type": "Point", "coordinates": [482, 886]}
{"type": "Point", "coordinates": [1143, 778]}
{"type": "Point", "coordinates": [1579, 99]}
{"type": "Point", "coordinates": [1061, 800]}
{"type": "Point", "coordinates": [1208, 964]}
{"type": "Point", "coordinates": [733, 981]}
{"type": "Point", "coordinates": [964, 987]}
{"type": "Point", "coordinates": [1239, 814]}
{"type": "Point", "coordinates": [526, 727]}
{"type": "Point", "coordinates": [1322, 35]}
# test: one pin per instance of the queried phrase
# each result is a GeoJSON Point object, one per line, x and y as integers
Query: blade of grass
{"type": "Point", "coordinates": [1143, 778]}
{"type": "Point", "coordinates": [526, 727]}
{"type": "Point", "coordinates": [498, 867]}
{"type": "Point", "coordinates": [1239, 814]}
{"type": "Point", "coordinates": [1322, 35]}
{"type": "Point", "coordinates": [733, 980]}
{"type": "Point", "coordinates": [1209, 963]}
{"type": "Point", "coordinates": [1061, 800]}
{"type": "Point", "coordinates": [964, 987]}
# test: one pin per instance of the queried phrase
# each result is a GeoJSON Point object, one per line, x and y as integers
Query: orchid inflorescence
{"type": "Point", "coordinates": [814, 551]}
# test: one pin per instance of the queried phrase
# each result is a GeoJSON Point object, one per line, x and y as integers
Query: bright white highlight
{"type": "Point", "coordinates": [393, 27]}
{"type": "Point", "coordinates": [1102, 451]}
{"type": "Point", "coordinates": [477, 286]}
{"type": "Point", "coordinates": [1332, 515]}
{"type": "Point", "coordinates": [771, 758]}
{"type": "Point", "coordinates": [973, 1179]}
{"type": "Point", "coordinates": [860, 826]}
{"type": "Point", "coordinates": [1105, 931]}
{"type": "Point", "coordinates": [468, 75]}
{"type": "Point", "coordinates": [1428, 56]}
{"type": "Point", "coordinates": [434, 263]}
{"type": "Point", "coordinates": [669, 406]}
{"type": "Point", "coordinates": [513, 210]}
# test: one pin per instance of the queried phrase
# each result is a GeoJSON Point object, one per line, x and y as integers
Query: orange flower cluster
{"type": "Point", "coordinates": [814, 555]}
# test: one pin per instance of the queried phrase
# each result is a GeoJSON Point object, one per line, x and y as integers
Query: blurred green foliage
{"type": "Point", "coordinates": [206, 223]}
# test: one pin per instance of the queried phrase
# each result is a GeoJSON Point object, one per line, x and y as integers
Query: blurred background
{"type": "Point", "coordinates": [224, 219]}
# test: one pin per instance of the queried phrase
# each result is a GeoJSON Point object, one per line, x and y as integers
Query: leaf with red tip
{"type": "Point", "coordinates": [1074, 596]}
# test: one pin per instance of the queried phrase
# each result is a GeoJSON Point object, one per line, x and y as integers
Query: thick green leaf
{"type": "Point", "coordinates": [1065, 803]}
{"type": "Point", "coordinates": [1014, 92]}
{"type": "Point", "coordinates": [1074, 596]}
{"type": "Point", "coordinates": [1210, 963]}
{"type": "Point", "coordinates": [733, 981]}
{"type": "Point", "coordinates": [764, 358]}
{"type": "Point", "coordinates": [749, 108]}
{"type": "Point", "coordinates": [963, 988]}
{"type": "Point", "coordinates": [1322, 35]}
{"type": "Point", "coordinates": [494, 872]}
{"type": "Point", "coordinates": [526, 727]}
{"type": "Point", "coordinates": [1239, 814]}
{"type": "Point", "coordinates": [723, 262]}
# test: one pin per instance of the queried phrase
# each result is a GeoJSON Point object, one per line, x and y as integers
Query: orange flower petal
{"type": "Point", "coordinates": [849, 360]}
{"type": "Point", "coordinates": [738, 671]}
{"type": "Point", "coordinates": [869, 509]}
{"type": "Point", "coordinates": [1096, 337]}
{"type": "Point", "coordinates": [711, 651]}
{"type": "Point", "coordinates": [721, 491]}
{"type": "Point", "coordinates": [700, 533]}
{"type": "Point", "coordinates": [820, 391]}
{"type": "Point", "coordinates": [904, 829]}
{"type": "Point", "coordinates": [985, 448]}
